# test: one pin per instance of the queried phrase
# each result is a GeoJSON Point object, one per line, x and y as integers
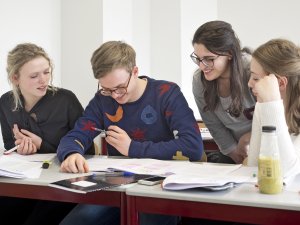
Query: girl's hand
{"type": "Point", "coordinates": [26, 147]}
{"type": "Point", "coordinates": [267, 89]}
{"type": "Point", "coordinates": [21, 134]}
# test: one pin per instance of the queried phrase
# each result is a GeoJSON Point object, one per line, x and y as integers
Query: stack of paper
{"type": "Point", "coordinates": [180, 174]}
{"type": "Point", "coordinates": [18, 168]}
{"type": "Point", "coordinates": [180, 182]}
{"type": "Point", "coordinates": [213, 177]}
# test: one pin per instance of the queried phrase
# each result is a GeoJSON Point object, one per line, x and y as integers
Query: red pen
{"type": "Point", "coordinates": [102, 132]}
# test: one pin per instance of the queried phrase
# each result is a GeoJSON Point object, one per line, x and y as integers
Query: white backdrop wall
{"type": "Point", "coordinates": [256, 22]}
{"type": "Point", "coordinates": [81, 33]}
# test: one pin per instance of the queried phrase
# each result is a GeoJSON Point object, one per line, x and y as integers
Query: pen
{"type": "Point", "coordinates": [102, 132]}
{"type": "Point", "coordinates": [114, 174]}
{"type": "Point", "coordinates": [11, 150]}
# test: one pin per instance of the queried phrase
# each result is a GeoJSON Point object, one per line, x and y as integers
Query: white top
{"type": "Point", "coordinates": [272, 114]}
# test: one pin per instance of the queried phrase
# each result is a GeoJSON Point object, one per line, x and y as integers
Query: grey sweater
{"type": "Point", "coordinates": [225, 129]}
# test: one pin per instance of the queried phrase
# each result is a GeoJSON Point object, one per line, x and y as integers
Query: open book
{"type": "Point", "coordinates": [96, 182]}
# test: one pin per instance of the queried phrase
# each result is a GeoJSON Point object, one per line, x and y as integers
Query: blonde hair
{"type": "Point", "coordinates": [16, 58]}
{"type": "Point", "coordinates": [282, 58]}
{"type": "Point", "coordinates": [112, 55]}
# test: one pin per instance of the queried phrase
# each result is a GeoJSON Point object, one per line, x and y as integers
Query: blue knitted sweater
{"type": "Point", "coordinates": [150, 122]}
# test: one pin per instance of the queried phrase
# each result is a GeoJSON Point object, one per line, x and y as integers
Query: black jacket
{"type": "Point", "coordinates": [50, 118]}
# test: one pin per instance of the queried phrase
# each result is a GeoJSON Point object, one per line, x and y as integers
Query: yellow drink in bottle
{"type": "Point", "coordinates": [269, 166]}
{"type": "Point", "coordinates": [269, 176]}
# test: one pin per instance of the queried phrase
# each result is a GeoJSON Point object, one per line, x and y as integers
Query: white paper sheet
{"type": "Point", "coordinates": [33, 157]}
{"type": "Point", "coordinates": [159, 167]}
{"type": "Point", "coordinates": [17, 168]}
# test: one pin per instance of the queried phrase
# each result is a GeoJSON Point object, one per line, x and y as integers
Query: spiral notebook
{"type": "Point", "coordinates": [96, 182]}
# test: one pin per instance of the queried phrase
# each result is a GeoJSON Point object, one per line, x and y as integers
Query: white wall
{"type": "Point", "coordinates": [256, 21]}
{"type": "Point", "coordinates": [81, 25]}
{"type": "Point", "coordinates": [165, 40]}
{"type": "Point", "coordinates": [141, 35]}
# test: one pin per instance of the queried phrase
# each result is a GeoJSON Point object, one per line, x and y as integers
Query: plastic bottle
{"type": "Point", "coordinates": [270, 179]}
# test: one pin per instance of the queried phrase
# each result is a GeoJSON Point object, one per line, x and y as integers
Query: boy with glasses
{"type": "Point", "coordinates": [139, 116]}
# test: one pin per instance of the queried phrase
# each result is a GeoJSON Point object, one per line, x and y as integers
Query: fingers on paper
{"type": "Point", "coordinates": [75, 163]}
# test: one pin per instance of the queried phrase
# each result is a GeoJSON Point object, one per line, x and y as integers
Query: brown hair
{"type": "Point", "coordinates": [219, 38]}
{"type": "Point", "coordinates": [112, 55]}
{"type": "Point", "coordinates": [282, 58]}
{"type": "Point", "coordinates": [16, 58]}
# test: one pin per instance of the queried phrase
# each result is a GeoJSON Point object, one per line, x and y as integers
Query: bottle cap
{"type": "Point", "coordinates": [268, 129]}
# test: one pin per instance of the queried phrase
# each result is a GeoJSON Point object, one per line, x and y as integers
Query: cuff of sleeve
{"type": "Point", "coordinates": [47, 148]}
{"type": "Point", "coordinates": [132, 153]}
{"type": "Point", "coordinates": [228, 150]}
{"type": "Point", "coordinates": [272, 113]}
{"type": "Point", "coordinates": [64, 151]}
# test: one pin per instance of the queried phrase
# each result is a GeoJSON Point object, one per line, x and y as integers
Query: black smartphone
{"type": "Point", "coordinates": [151, 181]}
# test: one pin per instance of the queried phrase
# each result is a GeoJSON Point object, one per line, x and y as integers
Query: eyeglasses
{"type": "Point", "coordinates": [207, 61]}
{"type": "Point", "coordinates": [118, 91]}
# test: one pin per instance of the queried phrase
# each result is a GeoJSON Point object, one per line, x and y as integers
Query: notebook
{"type": "Point", "coordinates": [96, 182]}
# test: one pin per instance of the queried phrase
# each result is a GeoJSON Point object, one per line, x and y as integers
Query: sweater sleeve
{"type": "Point", "coordinates": [222, 136]}
{"type": "Point", "coordinates": [81, 137]}
{"type": "Point", "coordinates": [272, 113]}
{"type": "Point", "coordinates": [182, 120]}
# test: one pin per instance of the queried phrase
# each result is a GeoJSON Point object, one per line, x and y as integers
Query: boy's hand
{"type": "Point", "coordinates": [119, 139]}
{"type": "Point", "coordinates": [74, 163]}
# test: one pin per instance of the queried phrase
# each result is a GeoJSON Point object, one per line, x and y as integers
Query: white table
{"type": "Point", "coordinates": [240, 204]}
{"type": "Point", "coordinates": [39, 189]}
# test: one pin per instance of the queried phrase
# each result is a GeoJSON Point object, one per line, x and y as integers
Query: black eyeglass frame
{"type": "Point", "coordinates": [118, 90]}
{"type": "Point", "coordinates": [208, 62]}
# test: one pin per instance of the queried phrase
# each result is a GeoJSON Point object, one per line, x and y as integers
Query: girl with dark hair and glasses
{"type": "Point", "coordinates": [220, 89]}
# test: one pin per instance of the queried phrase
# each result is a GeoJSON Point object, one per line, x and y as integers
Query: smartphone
{"type": "Point", "coordinates": [151, 181]}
